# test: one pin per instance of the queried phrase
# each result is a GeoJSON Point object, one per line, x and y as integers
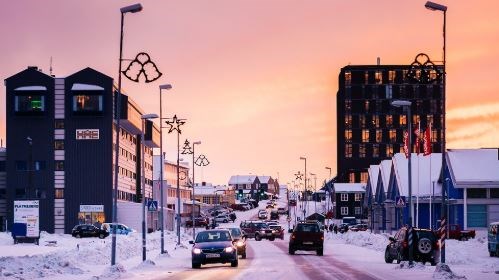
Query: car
{"type": "Point", "coordinates": [425, 246]}
{"type": "Point", "coordinates": [455, 232]}
{"type": "Point", "coordinates": [239, 238]}
{"type": "Point", "coordinates": [358, 227]}
{"type": "Point", "coordinates": [282, 211]}
{"type": "Point", "coordinates": [262, 214]}
{"type": "Point", "coordinates": [493, 239]}
{"type": "Point", "coordinates": [257, 229]}
{"type": "Point", "coordinates": [307, 236]}
{"type": "Point", "coordinates": [278, 231]}
{"type": "Point", "coordinates": [274, 214]}
{"type": "Point", "coordinates": [214, 246]}
{"type": "Point", "coordinates": [120, 228]}
{"type": "Point", "coordinates": [87, 230]}
{"type": "Point", "coordinates": [198, 222]}
{"type": "Point", "coordinates": [292, 202]}
{"type": "Point", "coordinates": [342, 228]}
{"type": "Point", "coordinates": [223, 218]}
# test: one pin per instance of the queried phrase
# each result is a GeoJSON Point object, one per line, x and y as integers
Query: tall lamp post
{"type": "Point", "coordinates": [144, 118]}
{"type": "Point", "coordinates": [407, 106]}
{"type": "Point", "coordinates": [437, 7]}
{"type": "Point", "coordinates": [128, 9]}
{"type": "Point", "coordinates": [315, 190]}
{"type": "Point", "coordinates": [306, 204]}
{"type": "Point", "coordinates": [327, 188]}
{"type": "Point", "coordinates": [187, 150]}
{"type": "Point", "coordinates": [175, 124]}
{"type": "Point", "coordinates": [161, 87]}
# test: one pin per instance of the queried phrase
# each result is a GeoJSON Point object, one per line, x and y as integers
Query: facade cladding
{"type": "Point", "coordinates": [369, 128]}
{"type": "Point", "coordinates": [68, 163]}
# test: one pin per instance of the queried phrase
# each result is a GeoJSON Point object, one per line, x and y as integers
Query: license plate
{"type": "Point", "coordinates": [213, 255]}
{"type": "Point", "coordinates": [308, 243]}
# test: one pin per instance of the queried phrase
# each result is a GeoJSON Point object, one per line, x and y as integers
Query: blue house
{"type": "Point", "coordinates": [378, 207]}
{"type": "Point", "coordinates": [372, 181]}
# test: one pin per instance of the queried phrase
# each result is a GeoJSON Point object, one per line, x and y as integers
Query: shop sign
{"type": "Point", "coordinates": [87, 134]}
{"type": "Point", "coordinates": [91, 208]}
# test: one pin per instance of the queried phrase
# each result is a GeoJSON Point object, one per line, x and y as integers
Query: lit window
{"type": "Point", "coordinates": [363, 177]}
{"type": "Point", "coordinates": [391, 76]}
{"type": "Point", "coordinates": [366, 77]}
{"type": "Point", "coordinates": [378, 76]}
{"type": "Point", "coordinates": [366, 105]}
{"type": "Point", "coordinates": [59, 165]}
{"type": "Point", "coordinates": [29, 103]}
{"type": "Point", "coordinates": [429, 119]}
{"type": "Point", "coordinates": [348, 78]}
{"type": "Point", "coordinates": [389, 120]}
{"type": "Point", "coordinates": [403, 120]}
{"type": "Point", "coordinates": [348, 135]}
{"type": "Point", "coordinates": [59, 124]}
{"type": "Point", "coordinates": [365, 135]}
{"type": "Point", "coordinates": [344, 197]}
{"type": "Point", "coordinates": [87, 103]}
{"type": "Point", "coordinates": [344, 210]}
{"type": "Point", "coordinates": [379, 135]}
{"type": "Point", "coordinates": [434, 135]}
{"type": "Point", "coordinates": [375, 121]}
{"type": "Point", "coordinates": [352, 177]}
{"type": "Point", "coordinates": [59, 193]}
{"type": "Point", "coordinates": [362, 151]}
{"type": "Point", "coordinates": [348, 150]}
{"type": "Point", "coordinates": [389, 150]}
{"type": "Point", "coordinates": [404, 74]}
{"type": "Point", "coordinates": [59, 144]}
{"type": "Point", "coordinates": [362, 121]}
{"type": "Point", "coordinates": [388, 91]}
{"type": "Point", "coordinates": [392, 134]}
{"type": "Point", "coordinates": [348, 120]}
{"type": "Point", "coordinates": [415, 119]}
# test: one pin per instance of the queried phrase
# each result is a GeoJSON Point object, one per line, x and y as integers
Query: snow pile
{"type": "Point", "coordinates": [29, 267]}
{"type": "Point", "coordinates": [366, 239]}
{"type": "Point", "coordinates": [443, 271]}
{"type": "Point", "coordinates": [415, 265]}
{"type": "Point", "coordinates": [113, 272]}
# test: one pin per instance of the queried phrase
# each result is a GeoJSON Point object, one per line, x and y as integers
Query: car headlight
{"type": "Point", "coordinates": [239, 243]}
{"type": "Point", "coordinates": [196, 251]}
{"type": "Point", "coordinates": [229, 249]}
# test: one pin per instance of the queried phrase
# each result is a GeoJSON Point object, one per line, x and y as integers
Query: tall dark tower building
{"type": "Point", "coordinates": [370, 129]}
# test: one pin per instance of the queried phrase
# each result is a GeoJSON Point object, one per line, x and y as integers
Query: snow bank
{"type": "Point", "coordinates": [366, 239]}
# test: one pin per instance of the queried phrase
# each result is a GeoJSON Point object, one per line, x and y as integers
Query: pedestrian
{"type": "Point", "coordinates": [335, 229]}
{"type": "Point", "coordinates": [331, 227]}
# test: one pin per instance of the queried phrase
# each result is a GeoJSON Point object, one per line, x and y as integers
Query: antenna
{"type": "Point", "coordinates": [50, 65]}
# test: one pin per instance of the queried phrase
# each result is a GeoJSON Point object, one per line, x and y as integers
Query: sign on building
{"type": "Point", "coordinates": [28, 212]}
{"type": "Point", "coordinates": [87, 134]}
{"type": "Point", "coordinates": [91, 208]}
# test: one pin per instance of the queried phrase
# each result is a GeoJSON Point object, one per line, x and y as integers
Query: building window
{"type": "Point", "coordinates": [59, 144]}
{"type": "Point", "coordinates": [379, 135]}
{"type": "Point", "coordinates": [29, 103]}
{"type": "Point", "coordinates": [348, 120]}
{"type": "Point", "coordinates": [494, 193]}
{"type": "Point", "coordinates": [388, 91]}
{"type": "Point", "coordinates": [392, 135]}
{"type": "Point", "coordinates": [21, 165]}
{"type": "Point", "coordinates": [59, 124]}
{"type": "Point", "coordinates": [434, 135]}
{"type": "Point", "coordinates": [358, 196]}
{"type": "Point", "coordinates": [363, 177]}
{"type": "Point", "coordinates": [366, 77]}
{"type": "Point", "coordinates": [348, 78]}
{"type": "Point", "coordinates": [3, 193]}
{"type": "Point", "coordinates": [2, 166]}
{"type": "Point", "coordinates": [20, 193]}
{"type": "Point", "coordinates": [375, 151]}
{"type": "Point", "coordinates": [362, 121]}
{"type": "Point", "coordinates": [389, 120]}
{"type": "Point", "coordinates": [391, 76]}
{"type": "Point", "coordinates": [362, 151]}
{"type": "Point", "coordinates": [378, 76]}
{"type": "Point", "coordinates": [389, 150]}
{"type": "Point", "coordinates": [344, 210]}
{"type": "Point", "coordinates": [352, 177]}
{"type": "Point", "coordinates": [366, 105]}
{"type": "Point", "coordinates": [59, 165]}
{"type": "Point", "coordinates": [357, 210]}
{"type": "Point", "coordinates": [348, 135]}
{"type": "Point", "coordinates": [344, 197]}
{"type": "Point", "coordinates": [402, 120]}
{"type": "Point", "coordinates": [477, 193]}
{"type": "Point", "coordinates": [348, 150]}
{"type": "Point", "coordinates": [365, 135]}
{"type": "Point", "coordinates": [433, 106]}
{"type": "Point", "coordinates": [40, 165]}
{"type": "Point", "coordinates": [87, 103]}
{"type": "Point", "coordinates": [375, 121]}
{"type": "Point", "coordinates": [429, 120]}
{"type": "Point", "coordinates": [404, 74]}
{"type": "Point", "coordinates": [348, 105]}
{"type": "Point", "coordinates": [59, 193]}
{"type": "Point", "coordinates": [415, 119]}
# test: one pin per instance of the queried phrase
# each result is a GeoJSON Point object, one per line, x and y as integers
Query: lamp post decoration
{"type": "Point", "coordinates": [202, 161]}
{"type": "Point", "coordinates": [423, 70]}
{"type": "Point", "coordinates": [175, 124]}
{"type": "Point", "coordinates": [145, 65]}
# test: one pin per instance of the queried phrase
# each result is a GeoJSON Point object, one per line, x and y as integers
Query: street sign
{"type": "Point", "coordinates": [152, 205]}
{"type": "Point", "coordinates": [400, 201]}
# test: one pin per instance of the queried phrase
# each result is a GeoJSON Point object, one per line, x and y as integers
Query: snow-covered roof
{"type": "Point", "coordinates": [474, 167]}
{"type": "Point", "coordinates": [425, 171]}
{"type": "Point", "coordinates": [349, 187]}
{"type": "Point", "coordinates": [385, 170]}
{"type": "Point", "coordinates": [264, 179]}
{"type": "Point", "coordinates": [373, 172]}
{"type": "Point", "coordinates": [77, 86]}
{"type": "Point", "coordinates": [31, 88]}
{"type": "Point", "coordinates": [242, 179]}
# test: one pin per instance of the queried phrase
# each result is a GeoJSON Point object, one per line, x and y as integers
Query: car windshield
{"type": "Point", "coordinates": [307, 228]}
{"type": "Point", "coordinates": [261, 225]}
{"type": "Point", "coordinates": [213, 236]}
{"type": "Point", "coordinates": [235, 232]}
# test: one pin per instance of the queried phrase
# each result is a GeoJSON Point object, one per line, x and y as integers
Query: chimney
{"type": "Point", "coordinates": [33, 67]}
{"type": "Point", "coordinates": [203, 183]}
{"type": "Point", "coordinates": [378, 60]}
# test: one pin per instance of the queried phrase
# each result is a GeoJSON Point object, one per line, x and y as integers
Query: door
{"type": "Point", "coordinates": [493, 214]}
{"type": "Point", "coordinates": [477, 215]}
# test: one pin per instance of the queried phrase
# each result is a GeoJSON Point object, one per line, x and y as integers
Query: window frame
{"type": "Point", "coordinates": [344, 196]}
{"type": "Point", "coordinates": [344, 212]}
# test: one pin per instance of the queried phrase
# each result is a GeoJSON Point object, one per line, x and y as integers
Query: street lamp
{"type": "Point", "coordinates": [407, 105]}
{"type": "Point", "coordinates": [437, 7]}
{"type": "Point", "coordinates": [188, 151]}
{"type": "Point", "coordinates": [306, 204]}
{"type": "Point", "coordinates": [128, 9]}
{"type": "Point", "coordinates": [327, 187]}
{"type": "Point", "coordinates": [144, 118]}
{"type": "Point", "coordinates": [161, 87]}
{"type": "Point", "coordinates": [315, 190]}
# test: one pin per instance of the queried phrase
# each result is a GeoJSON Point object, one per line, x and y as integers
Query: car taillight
{"type": "Point", "coordinates": [404, 244]}
{"type": "Point", "coordinates": [322, 237]}
{"type": "Point", "coordinates": [437, 245]}
{"type": "Point", "coordinates": [293, 236]}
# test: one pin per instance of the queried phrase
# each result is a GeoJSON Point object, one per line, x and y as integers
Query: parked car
{"type": "Point", "coordinates": [120, 228]}
{"type": "Point", "coordinates": [292, 202]}
{"type": "Point", "coordinates": [425, 246]}
{"type": "Point", "coordinates": [307, 236]}
{"type": "Point", "coordinates": [239, 238]}
{"type": "Point", "coordinates": [342, 228]}
{"type": "Point", "coordinates": [232, 216]}
{"type": "Point", "coordinates": [80, 231]}
{"type": "Point", "coordinates": [198, 222]}
{"type": "Point", "coordinates": [253, 202]}
{"type": "Point", "coordinates": [455, 232]}
{"type": "Point", "coordinates": [213, 246]}
{"type": "Point", "coordinates": [274, 214]}
{"type": "Point", "coordinates": [223, 218]}
{"type": "Point", "coordinates": [257, 229]}
{"type": "Point", "coordinates": [262, 214]}
{"type": "Point", "coordinates": [282, 211]}
{"type": "Point", "coordinates": [278, 231]}
{"type": "Point", "coordinates": [358, 227]}
{"type": "Point", "coordinates": [493, 238]}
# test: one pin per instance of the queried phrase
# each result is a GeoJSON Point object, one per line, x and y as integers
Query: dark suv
{"type": "Point", "coordinates": [425, 246]}
{"type": "Point", "coordinates": [80, 231]}
{"type": "Point", "coordinates": [307, 236]}
{"type": "Point", "coordinates": [257, 229]}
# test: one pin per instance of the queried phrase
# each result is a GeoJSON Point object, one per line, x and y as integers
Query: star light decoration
{"type": "Point", "coordinates": [202, 161]}
{"type": "Point", "coordinates": [175, 124]}
{"type": "Point", "coordinates": [187, 150]}
{"type": "Point", "coordinates": [299, 176]}
{"type": "Point", "coordinates": [423, 70]}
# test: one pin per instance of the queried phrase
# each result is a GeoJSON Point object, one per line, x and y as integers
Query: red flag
{"type": "Point", "coordinates": [406, 144]}
{"type": "Point", "coordinates": [427, 141]}
{"type": "Point", "coordinates": [417, 140]}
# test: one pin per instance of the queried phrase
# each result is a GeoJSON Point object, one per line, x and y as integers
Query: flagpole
{"type": "Point", "coordinates": [417, 154]}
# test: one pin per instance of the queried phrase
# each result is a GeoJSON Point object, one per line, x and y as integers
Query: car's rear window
{"type": "Point", "coordinates": [307, 228]}
{"type": "Point", "coordinates": [426, 234]}
{"type": "Point", "coordinates": [261, 225]}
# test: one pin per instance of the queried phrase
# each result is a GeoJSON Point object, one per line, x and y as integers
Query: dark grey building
{"type": "Point", "coordinates": [348, 200]}
{"type": "Point", "coordinates": [60, 139]}
{"type": "Point", "coordinates": [369, 129]}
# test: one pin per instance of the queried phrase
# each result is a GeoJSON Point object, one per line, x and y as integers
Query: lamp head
{"type": "Point", "coordinates": [196, 143]}
{"type": "Point", "coordinates": [131, 9]}
{"type": "Point", "coordinates": [303, 158]}
{"type": "Point", "coordinates": [166, 86]}
{"type": "Point", "coordinates": [149, 116]}
{"type": "Point", "coordinates": [435, 7]}
{"type": "Point", "coordinates": [401, 103]}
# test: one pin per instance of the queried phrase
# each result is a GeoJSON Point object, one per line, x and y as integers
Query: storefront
{"type": "Point", "coordinates": [91, 214]}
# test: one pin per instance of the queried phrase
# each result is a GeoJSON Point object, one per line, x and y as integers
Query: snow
{"type": "Point", "coordinates": [384, 170]}
{"type": "Point", "coordinates": [349, 187]}
{"type": "Point", "coordinates": [242, 179]}
{"type": "Point", "coordinates": [474, 166]}
{"type": "Point", "coordinates": [425, 171]}
{"type": "Point", "coordinates": [31, 88]}
{"type": "Point", "coordinates": [77, 86]}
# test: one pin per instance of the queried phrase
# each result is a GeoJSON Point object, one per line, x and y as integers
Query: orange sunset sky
{"type": "Point", "coordinates": [257, 80]}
